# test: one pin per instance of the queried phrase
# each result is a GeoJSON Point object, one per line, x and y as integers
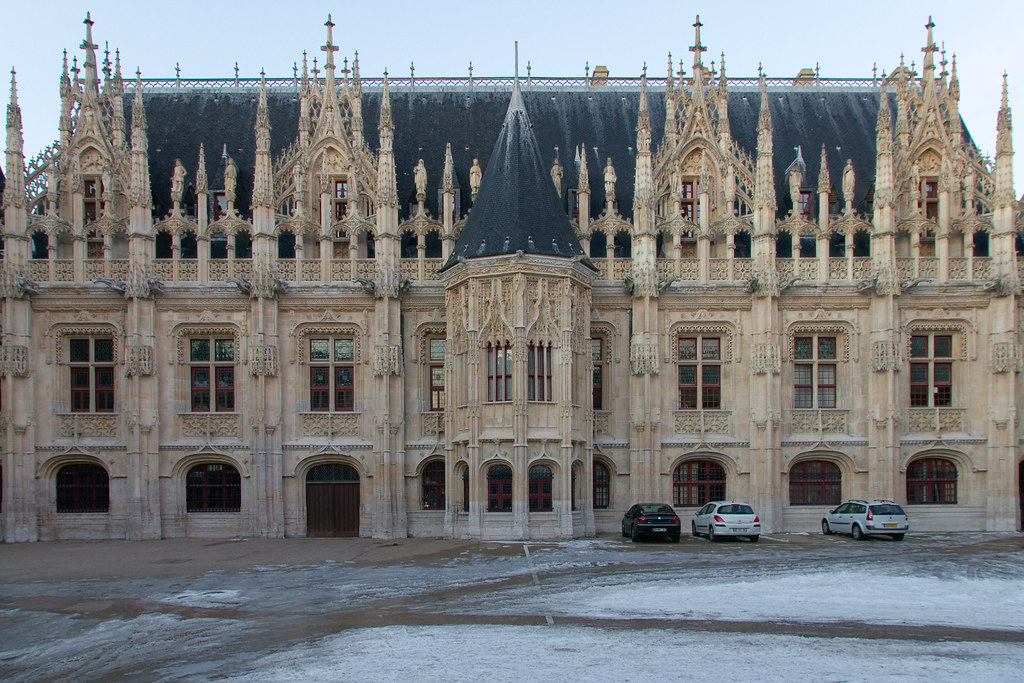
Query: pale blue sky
{"type": "Point", "coordinates": [556, 37]}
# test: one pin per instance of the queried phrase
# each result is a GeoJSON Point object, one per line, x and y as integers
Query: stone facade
{"type": "Point", "coordinates": [287, 347]}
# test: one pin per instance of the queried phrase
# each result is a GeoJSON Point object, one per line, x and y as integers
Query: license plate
{"type": "Point", "coordinates": [658, 528]}
{"type": "Point", "coordinates": [739, 528]}
{"type": "Point", "coordinates": [890, 526]}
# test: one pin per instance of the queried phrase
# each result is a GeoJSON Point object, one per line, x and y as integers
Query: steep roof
{"type": "Point", "coordinates": [517, 207]}
{"type": "Point", "coordinates": [425, 120]}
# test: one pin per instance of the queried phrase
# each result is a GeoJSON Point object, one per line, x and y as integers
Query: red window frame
{"type": "Point", "coordinates": [340, 199]}
{"type": "Point", "coordinates": [83, 488]}
{"type": "Point", "coordinates": [597, 377]}
{"type": "Point", "coordinates": [815, 482]}
{"type": "Point", "coordinates": [699, 372]}
{"type": "Point", "coordinates": [331, 378]}
{"type": "Point", "coordinates": [815, 381]}
{"type": "Point", "coordinates": [538, 373]}
{"type": "Point", "coordinates": [212, 379]}
{"type": "Point", "coordinates": [695, 482]}
{"type": "Point", "coordinates": [690, 201]}
{"type": "Point", "coordinates": [804, 209]}
{"type": "Point", "coordinates": [213, 487]}
{"type": "Point", "coordinates": [932, 481]}
{"type": "Point", "coordinates": [931, 370]}
{"type": "Point", "coordinates": [499, 372]}
{"type": "Point", "coordinates": [433, 485]}
{"type": "Point", "coordinates": [436, 349]}
{"type": "Point", "coordinates": [540, 487]}
{"type": "Point", "coordinates": [92, 193]}
{"type": "Point", "coordinates": [499, 488]}
{"type": "Point", "coordinates": [931, 199]}
{"type": "Point", "coordinates": [91, 375]}
{"type": "Point", "coordinates": [602, 486]}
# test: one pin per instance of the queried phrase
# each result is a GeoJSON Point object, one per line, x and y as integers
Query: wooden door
{"type": "Point", "coordinates": [332, 501]}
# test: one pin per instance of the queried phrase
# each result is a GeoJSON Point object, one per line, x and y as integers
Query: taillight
{"type": "Point", "coordinates": [757, 519]}
{"type": "Point", "coordinates": [870, 516]}
{"type": "Point", "coordinates": [675, 520]}
{"type": "Point", "coordinates": [719, 519]}
{"type": "Point", "coordinates": [641, 519]}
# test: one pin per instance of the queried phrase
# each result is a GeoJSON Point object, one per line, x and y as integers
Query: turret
{"type": "Point", "coordinates": [1004, 196]}
{"type": "Point", "coordinates": [139, 194]}
{"type": "Point", "coordinates": [884, 190]}
{"type": "Point", "coordinates": [764, 190]}
{"type": "Point", "coordinates": [387, 191]}
{"type": "Point", "coordinates": [14, 190]}
{"type": "Point", "coordinates": [263, 178]}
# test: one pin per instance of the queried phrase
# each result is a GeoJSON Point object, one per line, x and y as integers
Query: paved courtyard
{"type": "Point", "coordinates": [933, 607]}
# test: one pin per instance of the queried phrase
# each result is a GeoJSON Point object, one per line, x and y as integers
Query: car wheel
{"type": "Point", "coordinates": [693, 529]}
{"type": "Point", "coordinates": [857, 533]}
{"type": "Point", "coordinates": [634, 536]}
{"type": "Point", "coordinates": [754, 539]}
{"type": "Point", "coordinates": [897, 537]}
{"type": "Point", "coordinates": [711, 534]}
{"type": "Point", "coordinates": [825, 528]}
{"type": "Point", "coordinates": [674, 538]}
{"type": "Point", "coordinates": [624, 534]}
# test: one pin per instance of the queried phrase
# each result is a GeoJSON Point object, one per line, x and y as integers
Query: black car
{"type": "Point", "coordinates": [651, 519]}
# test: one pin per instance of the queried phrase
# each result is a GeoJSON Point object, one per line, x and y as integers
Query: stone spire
{"type": "Point", "coordinates": [14, 190]}
{"type": "Point", "coordinates": [723, 105]}
{"type": "Point", "coordinates": [447, 177]}
{"type": "Point", "coordinates": [643, 196]}
{"type": "Point", "coordinates": [263, 173]}
{"type": "Point", "coordinates": [928, 65]}
{"type": "Point", "coordinates": [764, 191]}
{"type": "Point", "coordinates": [91, 80]}
{"type": "Point", "coordinates": [115, 90]}
{"type": "Point", "coordinates": [884, 148]}
{"type": "Point", "coordinates": [387, 192]}
{"type": "Point", "coordinates": [1004, 152]}
{"type": "Point", "coordinates": [671, 125]}
{"type": "Point", "coordinates": [202, 184]}
{"type": "Point", "coordinates": [824, 180]}
{"type": "Point", "coordinates": [584, 173]}
{"type": "Point", "coordinates": [356, 100]}
{"type": "Point", "coordinates": [139, 194]}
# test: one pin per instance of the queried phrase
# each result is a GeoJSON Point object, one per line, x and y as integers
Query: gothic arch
{"type": "Point", "coordinates": [187, 462]}
{"type": "Point", "coordinates": [74, 456]}
{"type": "Point", "coordinates": [845, 463]}
{"type": "Point", "coordinates": [727, 462]}
{"type": "Point", "coordinates": [964, 462]}
{"type": "Point", "coordinates": [332, 457]}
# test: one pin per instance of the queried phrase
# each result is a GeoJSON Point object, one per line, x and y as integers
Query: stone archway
{"type": "Point", "coordinates": [332, 500]}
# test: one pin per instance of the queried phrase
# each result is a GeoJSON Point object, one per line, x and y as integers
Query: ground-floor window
{"type": "Point", "coordinates": [433, 486]}
{"type": "Point", "coordinates": [931, 480]}
{"type": "Point", "coordinates": [540, 488]}
{"type": "Point", "coordinates": [213, 487]}
{"type": "Point", "coordinates": [696, 482]}
{"type": "Point", "coordinates": [499, 489]}
{"type": "Point", "coordinates": [815, 482]}
{"type": "Point", "coordinates": [602, 486]}
{"type": "Point", "coordinates": [83, 487]}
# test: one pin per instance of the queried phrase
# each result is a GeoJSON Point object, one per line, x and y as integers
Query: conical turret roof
{"type": "Point", "coordinates": [517, 208]}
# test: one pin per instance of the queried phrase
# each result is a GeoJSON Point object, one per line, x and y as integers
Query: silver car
{"type": "Point", "coordinates": [861, 518]}
{"type": "Point", "coordinates": [726, 518]}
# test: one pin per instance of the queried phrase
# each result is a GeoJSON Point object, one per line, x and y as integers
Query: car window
{"type": "Point", "coordinates": [704, 510]}
{"type": "Point", "coordinates": [658, 509]}
{"type": "Point", "coordinates": [736, 510]}
{"type": "Point", "coordinates": [841, 509]}
{"type": "Point", "coordinates": [887, 509]}
{"type": "Point", "coordinates": [857, 509]}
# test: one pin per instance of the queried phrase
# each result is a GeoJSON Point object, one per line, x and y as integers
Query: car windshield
{"type": "Point", "coordinates": [657, 509]}
{"type": "Point", "coordinates": [886, 510]}
{"type": "Point", "coordinates": [736, 510]}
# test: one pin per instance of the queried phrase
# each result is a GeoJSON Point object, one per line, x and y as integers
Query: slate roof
{"type": "Point", "coordinates": [426, 120]}
{"type": "Point", "coordinates": [517, 207]}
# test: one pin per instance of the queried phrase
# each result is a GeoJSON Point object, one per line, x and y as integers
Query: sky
{"type": "Point", "coordinates": [442, 37]}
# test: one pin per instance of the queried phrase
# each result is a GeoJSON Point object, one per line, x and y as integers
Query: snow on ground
{"type": "Point", "coordinates": [517, 653]}
{"type": "Point", "coordinates": [847, 595]}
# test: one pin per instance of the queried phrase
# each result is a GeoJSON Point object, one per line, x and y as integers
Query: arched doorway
{"type": "Point", "coordinates": [332, 500]}
{"type": "Point", "coordinates": [1020, 486]}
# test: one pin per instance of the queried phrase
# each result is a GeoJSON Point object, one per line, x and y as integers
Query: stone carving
{"type": "Point", "coordinates": [474, 178]}
{"type": "Point", "coordinates": [700, 422]}
{"type": "Point", "coordinates": [138, 360]}
{"type": "Point", "coordinates": [796, 180]}
{"type": "Point", "coordinates": [387, 360]}
{"type": "Point", "coordinates": [915, 186]}
{"type": "Point", "coordinates": [230, 181]}
{"type": "Point", "coordinates": [765, 359]}
{"type": "Point", "coordinates": [210, 425]}
{"type": "Point", "coordinates": [643, 356]}
{"type": "Point", "coordinates": [811, 421]}
{"type": "Point", "coordinates": [556, 176]}
{"type": "Point", "coordinates": [264, 284]}
{"type": "Point", "coordinates": [884, 356]}
{"type": "Point", "coordinates": [970, 182]}
{"type": "Point", "coordinates": [730, 188]}
{"type": "Point", "coordinates": [764, 281]}
{"type": "Point", "coordinates": [330, 424]}
{"type": "Point", "coordinates": [177, 183]}
{"type": "Point", "coordinates": [887, 281]}
{"type": "Point", "coordinates": [263, 360]}
{"type": "Point", "coordinates": [14, 361]}
{"type": "Point", "coordinates": [87, 425]}
{"type": "Point", "coordinates": [609, 182]}
{"type": "Point", "coordinates": [1003, 358]}
{"type": "Point", "coordinates": [849, 182]}
{"type": "Point", "coordinates": [420, 177]}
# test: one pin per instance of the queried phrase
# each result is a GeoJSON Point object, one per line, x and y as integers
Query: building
{"type": "Point", "coordinates": [504, 308]}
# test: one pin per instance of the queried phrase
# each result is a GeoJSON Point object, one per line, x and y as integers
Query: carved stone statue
{"type": "Point", "coordinates": [177, 182]}
{"type": "Point", "coordinates": [730, 187]}
{"type": "Point", "coordinates": [609, 182]}
{"type": "Point", "coordinates": [474, 177]}
{"type": "Point", "coordinates": [556, 176]}
{"type": "Point", "coordinates": [849, 182]}
{"type": "Point", "coordinates": [677, 182]}
{"type": "Point", "coordinates": [107, 180]}
{"type": "Point", "coordinates": [420, 176]}
{"type": "Point", "coordinates": [51, 187]}
{"type": "Point", "coordinates": [796, 180]}
{"type": "Point", "coordinates": [299, 180]}
{"type": "Point", "coordinates": [915, 186]}
{"type": "Point", "coordinates": [230, 181]}
{"type": "Point", "coordinates": [969, 183]}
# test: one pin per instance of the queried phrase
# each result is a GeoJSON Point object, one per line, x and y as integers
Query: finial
{"type": "Point", "coordinates": [645, 68]}
{"type": "Point", "coordinates": [760, 71]}
{"type": "Point", "coordinates": [236, 73]}
{"type": "Point", "coordinates": [177, 73]}
{"type": "Point", "coordinates": [517, 60]}
{"type": "Point", "coordinates": [697, 48]}
{"type": "Point", "coordinates": [295, 71]}
{"type": "Point", "coordinates": [529, 70]}
{"type": "Point", "coordinates": [586, 69]}
{"type": "Point", "coordinates": [106, 59]}
{"type": "Point", "coordinates": [1006, 91]}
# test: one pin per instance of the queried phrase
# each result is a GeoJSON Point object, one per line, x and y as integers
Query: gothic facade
{"type": "Point", "coordinates": [504, 308]}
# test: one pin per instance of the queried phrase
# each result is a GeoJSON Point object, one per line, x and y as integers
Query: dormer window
{"type": "Point", "coordinates": [574, 204]}
{"type": "Point", "coordinates": [804, 208]}
{"type": "Point", "coordinates": [220, 205]}
{"type": "Point", "coordinates": [931, 199]}
{"type": "Point", "coordinates": [92, 189]}
{"type": "Point", "coordinates": [690, 202]}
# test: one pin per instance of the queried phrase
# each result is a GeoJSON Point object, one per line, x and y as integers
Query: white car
{"type": "Point", "coordinates": [726, 518]}
{"type": "Point", "coordinates": [861, 518]}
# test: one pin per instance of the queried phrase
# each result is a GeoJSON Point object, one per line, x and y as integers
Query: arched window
{"type": "Point", "coordinates": [286, 245]}
{"type": "Point", "coordinates": [815, 482]}
{"type": "Point", "coordinates": [499, 489]}
{"type": "Point", "coordinates": [433, 245]}
{"type": "Point", "coordinates": [540, 488]}
{"type": "Point", "coordinates": [465, 490]}
{"type": "Point", "coordinates": [213, 487]}
{"type": "Point", "coordinates": [433, 485]}
{"type": "Point", "coordinates": [218, 245]}
{"type": "Point", "coordinates": [622, 245]}
{"type": "Point", "coordinates": [598, 245]}
{"type": "Point", "coordinates": [741, 245]}
{"type": "Point", "coordinates": [243, 244]}
{"type": "Point", "coordinates": [602, 486]}
{"type": "Point", "coordinates": [696, 482]}
{"type": "Point", "coordinates": [83, 488]}
{"type": "Point", "coordinates": [931, 480]}
{"type": "Point", "coordinates": [189, 246]}
{"type": "Point", "coordinates": [40, 245]}
{"type": "Point", "coordinates": [164, 241]}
